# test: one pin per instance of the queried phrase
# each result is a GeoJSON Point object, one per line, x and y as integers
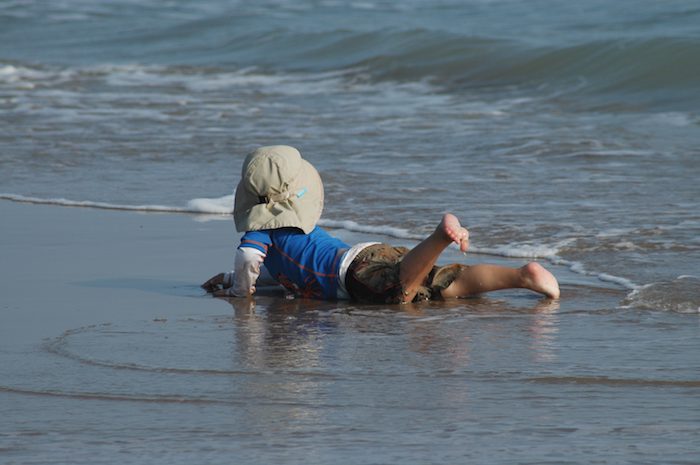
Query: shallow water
{"type": "Point", "coordinates": [304, 382]}
{"type": "Point", "coordinates": [562, 132]}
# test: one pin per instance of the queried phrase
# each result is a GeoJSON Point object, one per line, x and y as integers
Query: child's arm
{"type": "Point", "coordinates": [241, 281]}
{"type": "Point", "coordinates": [246, 271]}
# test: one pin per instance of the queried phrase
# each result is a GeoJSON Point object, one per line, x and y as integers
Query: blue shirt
{"type": "Point", "coordinates": [306, 264]}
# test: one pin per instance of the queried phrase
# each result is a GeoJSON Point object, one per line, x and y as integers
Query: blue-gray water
{"type": "Point", "coordinates": [562, 131]}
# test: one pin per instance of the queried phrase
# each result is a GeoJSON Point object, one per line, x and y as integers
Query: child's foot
{"type": "Point", "coordinates": [453, 230]}
{"type": "Point", "coordinates": [538, 279]}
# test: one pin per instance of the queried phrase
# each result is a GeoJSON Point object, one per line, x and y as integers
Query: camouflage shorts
{"type": "Point", "coordinates": [373, 276]}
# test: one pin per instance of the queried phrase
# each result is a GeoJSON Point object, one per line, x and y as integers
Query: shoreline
{"type": "Point", "coordinates": [69, 266]}
{"type": "Point", "coordinates": [346, 230]}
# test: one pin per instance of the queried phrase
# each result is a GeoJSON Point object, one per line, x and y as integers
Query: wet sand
{"type": "Point", "coordinates": [111, 353]}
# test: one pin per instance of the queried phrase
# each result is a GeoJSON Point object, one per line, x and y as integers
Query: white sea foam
{"type": "Point", "coordinates": [90, 204]}
{"type": "Point", "coordinates": [26, 78]}
{"type": "Point", "coordinates": [135, 75]}
{"type": "Point", "coordinates": [674, 119]}
{"type": "Point", "coordinates": [139, 75]}
{"type": "Point", "coordinates": [7, 70]}
{"type": "Point", "coordinates": [550, 253]}
{"type": "Point", "coordinates": [216, 206]}
{"type": "Point", "coordinates": [210, 206]}
{"type": "Point", "coordinates": [398, 233]}
{"type": "Point", "coordinates": [532, 251]}
{"type": "Point", "coordinates": [578, 268]}
{"type": "Point", "coordinates": [624, 282]}
{"type": "Point", "coordinates": [221, 205]}
{"type": "Point", "coordinates": [16, 77]}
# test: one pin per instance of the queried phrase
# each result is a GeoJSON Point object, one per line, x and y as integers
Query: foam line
{"type": "Point", "coordinates": [398, 233]}
{"type": "Point", "coordinates": [194, 206]}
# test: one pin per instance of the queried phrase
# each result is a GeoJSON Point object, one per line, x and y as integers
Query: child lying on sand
{"type": "Point", "coordinates": [278, 203]}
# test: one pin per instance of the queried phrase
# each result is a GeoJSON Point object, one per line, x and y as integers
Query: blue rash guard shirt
{"type": "Point", "coordinates": [305, 264]}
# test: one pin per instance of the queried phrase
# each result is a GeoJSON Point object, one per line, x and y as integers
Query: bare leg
{"type": "Point", "coordinates": [478, 279]}
{"type": "Point", "coordinates": [418, 262]}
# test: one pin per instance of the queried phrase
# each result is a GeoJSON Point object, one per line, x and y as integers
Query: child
{"type": "Point", "coordinates": [278, 203]}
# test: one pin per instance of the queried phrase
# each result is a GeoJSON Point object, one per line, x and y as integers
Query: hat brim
{"type": "Point", "coordinates": [302, 210]}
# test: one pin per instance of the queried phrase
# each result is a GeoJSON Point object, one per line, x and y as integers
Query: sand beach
{"type": "Point", "coordinates": [110, 351]}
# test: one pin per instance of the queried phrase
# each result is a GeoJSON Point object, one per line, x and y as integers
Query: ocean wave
{"type": "Point", "coordinates": [679, 295]}
{"type": "Point", "coordinates": [27, 77]}
{"type": "Point", "coordinates": [621, 67]}
{"type": "Point", "coordinates": [458, 61]}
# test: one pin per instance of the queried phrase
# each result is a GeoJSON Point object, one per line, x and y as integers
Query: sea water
{"type": "Point", "coordinates": [566, 132]}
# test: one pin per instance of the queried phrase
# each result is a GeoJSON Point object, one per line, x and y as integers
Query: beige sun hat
{"type": "Point", "coordinates": [278, 189]}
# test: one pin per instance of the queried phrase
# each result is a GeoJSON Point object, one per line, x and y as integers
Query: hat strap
{"type": "Point", "coordinates": [281, 197]}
